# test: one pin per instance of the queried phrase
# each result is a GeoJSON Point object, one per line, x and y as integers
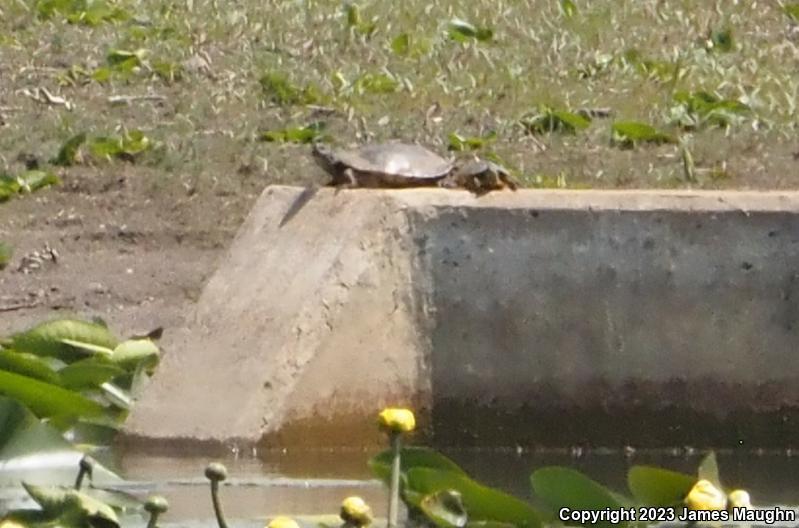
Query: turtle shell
{"type": "Point", "coordinates": [404, 160]}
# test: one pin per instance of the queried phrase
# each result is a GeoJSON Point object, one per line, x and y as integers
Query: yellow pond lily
{"type": "Point", "coordinates": [397, 420]}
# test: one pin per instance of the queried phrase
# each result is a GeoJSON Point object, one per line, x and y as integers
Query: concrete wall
{"type": "Point", "coordinates": [539, 317]}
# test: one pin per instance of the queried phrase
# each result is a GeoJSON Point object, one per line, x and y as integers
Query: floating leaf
{"type": "Point", "coordinates": [565, 487]}
{"type": "Point", "coordinates": [627, 134]}
{"type": "Point", "coordinates": [412, 457]}
{"type": "Point", "coordinates": [462, 31]}
{"type": "Point", "coordinates": [445, 509]}
{"type": "Point", "coordinates": [655, 486]}
{"type": "Point", "coordinates": [482, 503]}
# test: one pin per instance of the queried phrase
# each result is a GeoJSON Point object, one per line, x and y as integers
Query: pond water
{"type": "Point", "coordinates": [315, 482]}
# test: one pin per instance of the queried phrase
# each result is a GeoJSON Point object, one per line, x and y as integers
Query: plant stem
{"type": "Point", "coordinates": [220, 519]}
{"type": "Point", "coordinates": [393, 499]}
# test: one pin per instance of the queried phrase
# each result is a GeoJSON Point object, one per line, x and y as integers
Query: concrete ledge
{"type": "Point", "coordinates": [547, 318]}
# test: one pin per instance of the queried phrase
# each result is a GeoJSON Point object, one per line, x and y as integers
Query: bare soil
{"type": "Point", "coordinates": [134, 258]}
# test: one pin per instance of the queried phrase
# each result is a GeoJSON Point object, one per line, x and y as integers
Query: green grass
{"type": "Point", "coordinates": [416, 70]}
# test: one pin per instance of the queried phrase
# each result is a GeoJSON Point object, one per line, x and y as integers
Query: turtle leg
{"type": "Point", "coordinates": [508, 180]}
{"type": "Point", "coordinates": [348, 180]}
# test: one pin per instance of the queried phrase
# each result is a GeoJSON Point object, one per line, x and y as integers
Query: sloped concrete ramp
{"type": "Point", "coordinates": [548, 318]}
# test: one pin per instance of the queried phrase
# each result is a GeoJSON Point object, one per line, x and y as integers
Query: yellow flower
{"type": "Point", "coordinates": [282, 522]}
{"type": "Point", "coordinates": [705, 496]}
{"type": "Point", "coordinates": [397, 420]}
{"type": "Point", "coordinates": [739, 499]}
{"type": "Point", "coordinates": [354, 510]}
{"type": "Point", "coordinates": [11, 523]}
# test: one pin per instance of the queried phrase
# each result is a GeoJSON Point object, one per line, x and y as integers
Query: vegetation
{"type": "Point", "coordinates": [184, 92]}
{"type": "Point", "coordinates": [435, 490]}
{"type": "Point", "coordinates": [63, 384]}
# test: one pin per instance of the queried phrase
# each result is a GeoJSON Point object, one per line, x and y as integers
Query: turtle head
{"type": "Point", "coordinates": [324, 156]}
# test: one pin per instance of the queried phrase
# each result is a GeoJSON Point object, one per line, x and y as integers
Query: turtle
{"type": "Point", "coordinates": [400, 165]}
{"type": "Point", "coordinates": [397, 165]}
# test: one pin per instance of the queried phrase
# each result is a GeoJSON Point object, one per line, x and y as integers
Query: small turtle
{"type": "Point", "coordinates": [383, 165]}
{"type": "Point", "coordinates": [481, 176]}
{"type": "Point", "coordinates": [398, 165]}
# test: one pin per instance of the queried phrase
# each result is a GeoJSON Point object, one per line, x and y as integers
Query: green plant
{"type": "Point", "coordinates": [628, 134]}
{"type": "Point", "coordinates": [548, 119]}
{"type": "Point", "coordinates": [74, 373]}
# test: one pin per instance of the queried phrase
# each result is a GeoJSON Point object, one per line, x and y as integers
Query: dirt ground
{"type": "Point", "coordinates": [133, 258]}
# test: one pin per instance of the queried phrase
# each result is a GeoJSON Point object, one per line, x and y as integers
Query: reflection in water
{"type": "Point", "coordinates": [315, 482]}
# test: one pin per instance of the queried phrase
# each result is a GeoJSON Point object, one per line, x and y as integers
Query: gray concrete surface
{"type": "Point", "coordinates": [541, 318]}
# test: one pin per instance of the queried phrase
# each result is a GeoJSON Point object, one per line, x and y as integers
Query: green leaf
{"type": "Point", "coordinates": [654, 486]}
{"type": "Point", "coordinates": [461, 143]}
{"type": "Point", "coordinates": [279, 89]}
{"type": "Point", "coordinates": [133, 352]}
{"type": "Point", "coordinates": [462, 31]}
{"type": "Point", "coordinates": [59, 338]}
{"type": "Point", "coordinates": [550, 120]}
{"type": "Point", "coordinates": [722, 40]}
{"type": "Point", "coordinates": [126, 59]}
{"type": "Point", "coordinates": [33, 180]}
{"type": "Point", "coordinates": [411, 457]}
{"type": "Point", "coordinates": [445, 509]}
{"type": "Point", "coordinates": [302, 135]}
{"type": "Point", "coordinates": [34, 450]}
{"type": "Point", "coordinates": [565, 487]}
{"type": "Point", "coordinates": [568, 8]}
{"type": "Point", "coordinates": [14, 417]}
{"type": "Point", "coordinates": [47, 399]}
{"type": "Point", "coordinates": [709, 470]}
{"type": "Point", "coordinates": [694, 110]}
{"type": "Point", "coordinates": [792, 10]}
{"type": "Point", "coordinates": [89, 373]}
{"type": "Point", "coordinates": [401, 44]}
{"type": "Point", "coordinates": [72, 506]}
{"type": "Point", "coordinates": [105, 147]}
{"type": "Point", "coordinates": [28, 365]}
{"type": "Point", "coordinates": [627, 134]}
{"type": "Point", "coordinates": [6, 252]}
{"type": "Point", "coordinates": [482, 503]}
{"type": "Point", "coordinates": [376, 83]}
{"type": "Point", "coordinates": [68, 153]}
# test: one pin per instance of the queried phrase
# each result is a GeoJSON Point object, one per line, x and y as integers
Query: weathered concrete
{"type": "Point", "coordinates": [538, 317]}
